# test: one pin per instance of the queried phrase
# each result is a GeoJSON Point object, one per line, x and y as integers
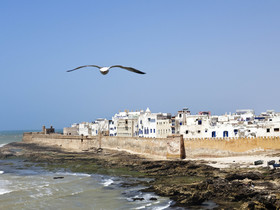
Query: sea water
{"type": "Point", "coordinates": [26, 185]}
{"type": "Point", "coordinates": [10, 136]}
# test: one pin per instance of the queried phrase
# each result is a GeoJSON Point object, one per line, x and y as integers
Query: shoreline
{"type": "Point", "coordinates": [188, 182]}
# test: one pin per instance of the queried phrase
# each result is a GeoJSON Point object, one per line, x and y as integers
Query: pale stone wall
{"type": "Point", "coordinates": [149, 146]}
{"type": "Point", "coordinates": [230, 146]}
{"type": "Point", "coordinates": [159, 146]}
{"type": "Point", "coordinates": [152, 146]}
{"type": "Point", "coordinates": [75, 143]}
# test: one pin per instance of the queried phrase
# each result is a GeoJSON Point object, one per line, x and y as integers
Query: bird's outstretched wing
{"type": "Point", "coordinates": [129, 69]}
{"type": "Point", "coordinates": [83, 67]}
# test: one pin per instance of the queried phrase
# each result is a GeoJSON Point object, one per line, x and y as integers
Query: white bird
{"type": "Point", "coordinates": [105, 70]}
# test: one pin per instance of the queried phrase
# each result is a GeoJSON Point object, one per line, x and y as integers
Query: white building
{"type": "Point", "coordinates": [73, 130]}
{"type": "Point", "coordinates": [84, 128]}
{"type": "Point", "coordinates": [100, 125]}
{"type": "Point", "coordinates": [243, 123]}
{"type": "Point", "coordinates": [124, 124]}
{"type": "Point", "coordinates": [154, 125]}
{"type": "Point", "coordinates": [163, 125]}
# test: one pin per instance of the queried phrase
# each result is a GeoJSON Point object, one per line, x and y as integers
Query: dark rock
{"type": "Point", "coordinates": [271, 162]}
{"type": "Point", "coordinates": [276, 175]}
{"type": "Point", "coordinates": [137, 199]}
{"type": "Point", "coordinates": [252, 205]}
{"type": "Point", "coordinates": [249, 175]}
{"type": "Point", "coordinates": [258, 162]}
{"type": "Point", "coordinates": [193, 166]}
{"type": "Point", "coordinates": [153, 199]}
{"type": "Point", "coordinates": [99, 150]}
{"type": "Point", "coordinates": [58, 177]}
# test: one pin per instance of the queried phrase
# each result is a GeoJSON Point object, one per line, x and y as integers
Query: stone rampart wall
{"type": "Point", "coordinates": [148, 146]}
{"type": "Point", "coordinates": [228, 146]}
{"type": "Point", "coordinates": [152, 146]}
{"type": "Point", "coordinates": [76, 143]}
{"type": "Point", "coordinates": [158, 146]}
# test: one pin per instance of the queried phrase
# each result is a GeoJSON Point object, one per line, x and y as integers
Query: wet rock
{"type": "Point", "coordinates": [153, 199]}
{"type": "Point", "coordinates": [253, 205]}
{"type": "Point", "coordinates": [241, 176]}
{"type": "Point", "coordinates": [99, 150]}
{"type": "Point", "coordinates": [258, 162]}
{"type": "Point", "coordinates": [276, 175]}
{"type": "Point", "coordinates": [271, 162]}
{"type": "Point", "coordinates": [138, 199]}
{"type": "Point", "coordinates": [58, 177]}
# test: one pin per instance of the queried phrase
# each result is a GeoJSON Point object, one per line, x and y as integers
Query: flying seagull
{"type": "Point", "coordinates": [105, 70]}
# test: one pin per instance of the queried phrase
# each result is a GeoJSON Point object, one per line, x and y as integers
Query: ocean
{"type": "Point", "coordinates": [25, 185]}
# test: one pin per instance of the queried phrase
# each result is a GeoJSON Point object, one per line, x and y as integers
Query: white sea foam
{"type": "Point", "coordinates": [141, 207]}
{"type": "Point", "coordinates": [1, 172]}
{"type": "Point", "coordinates": [72, 174]}
{"type": "Point", "coordinates": [76, 193]}
{"type": "Point", "coordinates": [4, 191]}
{"type": "Point", "coordinates": [108, 182]}
{"type": "Point", "coordinates": [163, 207]}
{"type": "Point", "coordinates": [147, 196]}
{"type": "Point", "coordinates": [2, 145]}
{"type": "Point", "coordinates": [42, 193]}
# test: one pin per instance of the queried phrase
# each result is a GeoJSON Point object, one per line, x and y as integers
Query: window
{"type": "Point", "coordinates": [268, 130]}
{"type": "Point", "coordinates": [180, 115]}
{"type": "Point", "coordinates": [206, 130]}
{"type": "Point", "coordinates": [140, 121]}
{"type": "Point", "coordinates": [180, 123]}
{"type": "Point", "coordinates": [187, 131]}
{"type": "Point", "coordinates": [276, 129]}
{"type": "Point", "coordinates": [199, 122]}
{"type": "Point", "coordinates": [126, 122]}
{"type": "Point", "coordinates": [154, 130]}
{"type": "Point", "coordinates": [213, 134]}
{"type": "Point", "coordinates": [198, 131]}
{"type": "Point", "coordinates": [151, 130]}
{"type": "Point", "coordinates": [235, 131]}
{"type": "Point", "coordinates": [225, 134]}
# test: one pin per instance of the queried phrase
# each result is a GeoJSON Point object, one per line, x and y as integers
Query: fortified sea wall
{"type": "Point", "coordinates": [171, 147]}
{"type": "Point", "coordinates": [145, 146]}
{"type": "Point", "coordinates": [230, 146]}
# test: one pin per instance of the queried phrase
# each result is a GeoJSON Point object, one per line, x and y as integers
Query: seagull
{"type": "Point", "coordinates": [105, 70]}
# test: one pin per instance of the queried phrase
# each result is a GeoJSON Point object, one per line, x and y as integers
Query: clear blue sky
{"type": "Point", "coordinates": [205, 55]}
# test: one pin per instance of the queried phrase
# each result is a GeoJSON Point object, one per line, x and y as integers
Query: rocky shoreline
{"type": "Point", "coordinates": [188, 183]}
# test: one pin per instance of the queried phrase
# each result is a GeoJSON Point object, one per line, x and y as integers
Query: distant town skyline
{"type": "Point", "coordinates": [216, 56]}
